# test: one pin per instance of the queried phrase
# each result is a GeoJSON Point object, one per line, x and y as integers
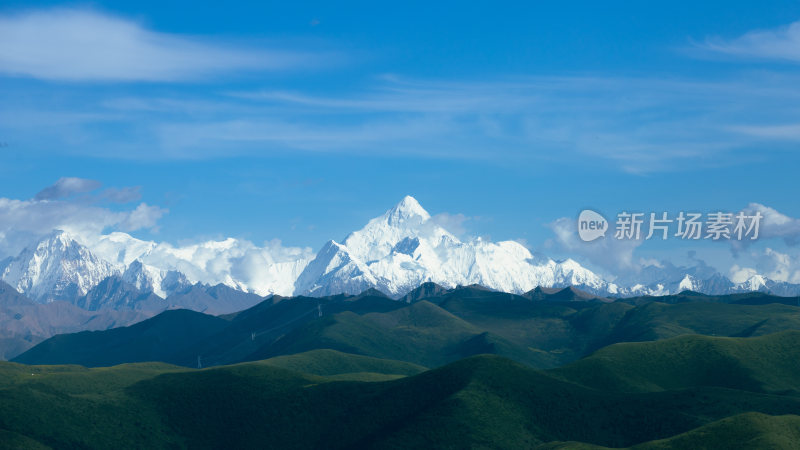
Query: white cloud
{"type": "Point", "coordinates": [266, 269]}
{"type": "Point", "coordinates": [782, 266]}
{"type": "Point", "coordinates": [67, 186]}
{"type": "Point", "coordinates": [774, 224]}
{"type": "Point", "coordinates": [144, 216]}
{"type": "Point", "coordinates": [454, 223]}
{"type": "Point", "coordinates": [741, 274]}
{"type": "Point", "coordinates": [22, 221]}
{"type": "Point", "coordinates": [772, 264]}
{"type": "Point", "coordinates": [782, 44]}
{"type": "Point", "coordinates": [85, 45]}
{"type": "Point", "coordinates": [122, 195]}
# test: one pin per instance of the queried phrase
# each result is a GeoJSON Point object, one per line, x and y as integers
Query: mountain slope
{"type": "Point", "coordinates": [370, 324]}
{"type": "Point", "coordinates": [25, 323]}
{"type": "Point", "coordinates": [155, 339]}
{"type": "Point", "coordinates": [655, 320]}
{"type": "Point", "coordinates": [114, 293]}
{"type": "Point", "coordinates": [447, 326]}
{"type": "Point", "coordinates": [767, 364]}
{"type": "Point", "coordinates": [479, 402]}
{"type": "Point", "coordinates": [331, 363]}
{"type": "Point", "coordinates": [56, 268]}
{"type": "Point", "coordinates": [742, 431]}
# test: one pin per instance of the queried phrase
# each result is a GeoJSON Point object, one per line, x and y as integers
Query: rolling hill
{"type": "Point", "coordinates": [482, 401]}
{"type": "Point", "coordinates": [431, 327]}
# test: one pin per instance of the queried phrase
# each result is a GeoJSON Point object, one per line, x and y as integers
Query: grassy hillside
{"type": "Point", "coordinates": [483, 401]}
{"type": "Point", "coordinates": [421, 333]}
{"type": "Point", "coordinates": [744, 431]}
{"type": "Point", "coordinates": [563, 329]}
{"type": "Point", "coordinates": [436, 328]}
{"type": "Point", "coordinates": [653, 321]}
{"type": "Point", "coordinates": [769, 364]}
{"type": "Point", "coordinates": [54, 405]}
{"type": "Point", "coordinates": [330, 363]}
{"type": "Point", "coordinates": [160, 338]}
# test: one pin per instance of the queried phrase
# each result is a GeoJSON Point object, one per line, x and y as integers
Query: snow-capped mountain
{"type": "Point", "coordinates": [271, 269]}
{"type": "Point", "coordinates": [160, 282]}
{"type": "Point", "coordinates": [394, 253]}
{"type": "Point", "coordinates": [403, 248]}
{"type": "Point", "coordinates": [687, 279]}
{"type": "Point", "coordinates": [56, 268]}
{"type": "Point", "coordinates": [120, 249]}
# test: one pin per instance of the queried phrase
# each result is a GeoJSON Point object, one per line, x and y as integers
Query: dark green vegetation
{"type": "Point", "coordinates": [666, 394]}
{"type": "Point", "coordinates": [431, 327]}
{"type": "Point", "coordinates": [768, 364]}
{"type": "Point", "coordinates": [351, 372]}
{"type": "Point", "coordinates": [112, 303]}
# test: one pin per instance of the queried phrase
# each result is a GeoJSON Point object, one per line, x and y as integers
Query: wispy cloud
{"type": "Point", "coordinates": [86, 45]}
{"type": "Point", "coordinates": [67, 186]}
{"type": "Point", "coordinates": [780, 44]}
{"type": "Point", "coordinates": [122, 195]}
{"type": "Point", "coordinates": [788, 132]}
{"type": "Point", "coordinates": [638, 124]}
{"type": "Point", "coordinates": [633, 124]}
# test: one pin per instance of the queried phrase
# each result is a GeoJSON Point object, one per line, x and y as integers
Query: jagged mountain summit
{"type": "Point", "coordinates": [63, 266]}
{"type": "Point", "coordinates": [55, 268]}
{"type": "Point", "coordinates": [404, 248]}
{"type": "Point", "coordinates": [58, 267]}
{"type": "Point", "coordinates": [160, 282]}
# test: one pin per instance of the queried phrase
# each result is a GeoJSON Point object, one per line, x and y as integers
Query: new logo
{"type": "Point", "coordinates": [591, 225]}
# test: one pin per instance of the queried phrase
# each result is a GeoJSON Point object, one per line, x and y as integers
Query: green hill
{"type": "Point", "coordinates": [740, 432]}
{"type": "Point", "coordinates": [160, 338]}
{"type": "Point", "coordinates": [71, 406]}
{"type": "Point", "coordinates": [653, 321]}
{"type": "Point", "coordinates": [421, 333]}
{"type": "Point", "coordinates": [446, 326]}
{"type": "Point", "coordinates": [769, 364]}
{"type": "Point", "coordinates": [744, 431]}
{"type": "Point", "coordinates": [332, 363]}
{"type": "Point", "coordinates": [622, 396]}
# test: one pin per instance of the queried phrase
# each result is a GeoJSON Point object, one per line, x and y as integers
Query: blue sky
{"type": "Point", "coordinates": [301, 120]}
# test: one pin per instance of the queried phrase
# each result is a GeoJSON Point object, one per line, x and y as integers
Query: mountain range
{"type": "Point", "coordinates": [394, 253]}
{"type": "Point", "coordinates": [430, 326]}
{"type": "Point", "coordinates": [442, 368]}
